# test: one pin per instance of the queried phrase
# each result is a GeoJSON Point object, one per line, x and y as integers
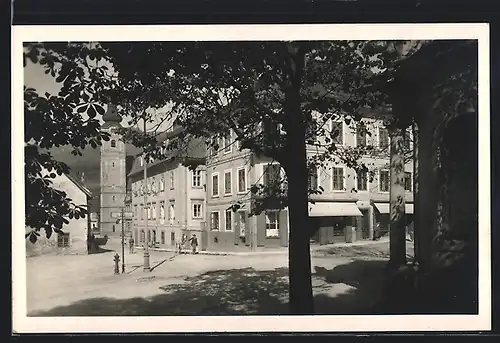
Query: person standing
{"type": "Point", "coordinates": [131, 244]}
{"type": "Point", "coordinates": [194, 243]}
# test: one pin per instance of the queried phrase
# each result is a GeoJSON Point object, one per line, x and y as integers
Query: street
{"type": "Point", "coordinates": [345, 281]}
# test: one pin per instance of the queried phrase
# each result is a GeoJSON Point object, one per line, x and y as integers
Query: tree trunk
{"type": "Point", "coordinates": [397, 200]}
{"type": "Point", "coordinates": [299, 254]}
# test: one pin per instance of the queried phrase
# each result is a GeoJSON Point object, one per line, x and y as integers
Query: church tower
{"type": "Point", "coordinates": [113, 178]}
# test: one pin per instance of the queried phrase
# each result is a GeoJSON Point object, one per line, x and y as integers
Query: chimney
{"type": "Point", "coordinates": [82, 178]}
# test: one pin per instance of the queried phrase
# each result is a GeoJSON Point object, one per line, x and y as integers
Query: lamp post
{"type": "Point", "coordinates": [122, 219]}
{"type": "Point", "coordinates": [147, 267]}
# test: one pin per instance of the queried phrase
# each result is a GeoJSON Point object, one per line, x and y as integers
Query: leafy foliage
{"type": "Point", "coordinates": [52, 120]}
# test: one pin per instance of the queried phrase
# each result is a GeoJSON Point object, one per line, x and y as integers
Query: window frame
{"type": "Point", "coordinates": [244, 168]}
{"type": "Point", "coordinates": [275, 223]}
{"type": "Point", "coordinates": [230, 172]}
{"type": "Point", "coordinates": [230, 212]}
{"type": "Point", "coordinates": [197, 178]}
{"type": "Point", "coordinates": [380, 180]}
{"type": "Point", "coordinates": [212, 228]}
{"type": "Point", "coordinates": [215, 174]}
{"type": "Point", "coordinates": [195, 203]}
{"type": "Point", "coordinates": [342, 143]}
{"type": "Point", "coordinates": [63, 238]}
{"type": "Point", "coordinates": [343, 168]}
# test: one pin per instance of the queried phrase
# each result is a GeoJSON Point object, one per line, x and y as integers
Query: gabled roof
{"type": "Point", "coordinates": [191, 149]}
{"type": "Point", "coordinates": [79, 185]}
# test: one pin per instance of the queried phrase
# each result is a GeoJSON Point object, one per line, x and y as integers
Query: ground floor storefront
{"type": "Point", "coordinates": [225, 230]}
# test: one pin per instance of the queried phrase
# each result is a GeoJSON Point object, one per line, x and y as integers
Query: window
{"type": "Point", "coordinates": [162, 184]}
{"type": "Point", "coordinates": [196, 180]}
{"type": "Point", "coordinates": [227, 183]}
{"type": "Point", "coordinates": [113, 143]}
{"type": "Point", "coordinates": [172, 183]}
{"type": "Point", "coordinates": [214, 147]}
{"type": "Point", "coordinates": [271, 174]}
{"type": "Point", "coordinates": [362, 180]}
{"type": "Point", "coordinates": [63, 240]}
{"type": "Point", "coordinates": [135, 211]}
{"type": "Point", "coordinates": [162, 237]}
{"type": "Point", "coordinates": [408, 183]}
{"type": "Point", "coordinates": [227, 142]}
{"type": "Point", "coordinates": [114, 228]}
{"type": "Point", "coordinates": [242, 180]}
{"type": "Point", "coordinates": [337, 132]}
{"type": "Point", "coordinates": [143, 236]}
{"type": "Point", "coordinates": [113, 164]}
{"type": "Point", "coordinates": [338, 178]}
{"type": "Point", "coordinates": [214, 221]}
{"type": "Point", "coordinates": [383, 138]}
{"type": "Point", "coordinates": [215, 184]}
{"type": "Point", "coordinates": [313, 178]}
{"type": "Point", "coordinates": [171, 212]}
{"type": "Point", "coordinates": [141, 161]}
{"type": "Point", "coordinates": [153, 211]}
{"type": "Point", "coordinates": [229, 220]}
{"type": "Point", "coordinates": [197, 208]}
{"type": "Point", "coordinates": [148, 209]}
{"type": "Point", "coordinates": [384, 181]}
{"type": "Point", "coordinates": [142, 213]}
{"type": "Point", "coordinates": [361, 134]}
{"type": "Point", "coordinates": [272, 224]}
{"type": "Point", "coordinates": [162, 213]}
{"type": "Point", "coordinates": [153, 186]}
{"type": "Point", "coordinates": [114, 198]}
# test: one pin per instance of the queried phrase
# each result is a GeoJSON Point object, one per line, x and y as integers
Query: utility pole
{"type": "Point", "coordinates": [123, 240]}
{"type": "Point", "coordinates": [147, 267]}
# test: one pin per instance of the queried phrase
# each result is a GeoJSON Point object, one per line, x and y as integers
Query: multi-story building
{"type": "Point", "coordinates": [171, 202]}
{"type": "Point", "coordinates": [348, 208]}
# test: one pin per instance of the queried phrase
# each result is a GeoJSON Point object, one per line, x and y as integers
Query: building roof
{"type": "Point", "coordinates": [190, 149]}
{"type": "Point", "coordinates": [79, 185]}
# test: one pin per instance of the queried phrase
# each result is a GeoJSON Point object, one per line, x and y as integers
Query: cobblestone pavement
{"type": "Point", "coordinates": [193, 284]}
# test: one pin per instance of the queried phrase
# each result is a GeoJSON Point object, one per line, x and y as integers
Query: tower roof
{"type": "Point", "coordinates": [111, 116]}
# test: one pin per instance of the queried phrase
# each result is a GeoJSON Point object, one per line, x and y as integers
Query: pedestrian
{"type": "Point", "coordinates": [131, 244]}
{"type": "Point", "coordinates": [376, 232]}
{"type": "Point", "coordinates": [182, 243]}
{"type": "Point", "coordinates": [194, 243]}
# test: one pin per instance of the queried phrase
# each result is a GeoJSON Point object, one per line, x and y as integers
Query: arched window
{"type": "Point", "coordinates": [113, 143]}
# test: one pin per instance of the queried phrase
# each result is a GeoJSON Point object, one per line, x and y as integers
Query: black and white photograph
{"type": "Point", "coordinates": [299, 172]}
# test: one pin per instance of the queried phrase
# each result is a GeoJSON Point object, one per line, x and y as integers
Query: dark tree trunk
{"type": "Point", "coordinates": [295, 165]}
{"type": "Point", "coordinates": [299, 254]}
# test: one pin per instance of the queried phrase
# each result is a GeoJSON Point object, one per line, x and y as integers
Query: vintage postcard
{"type": "Point", "coordinates": [236, 178]}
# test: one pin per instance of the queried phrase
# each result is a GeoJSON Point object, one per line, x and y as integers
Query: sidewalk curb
{"type": "Point", "coordinates": [314, 249]}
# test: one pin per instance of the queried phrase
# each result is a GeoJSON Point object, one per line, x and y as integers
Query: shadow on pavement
{"type": "Point", "coordinates": [353, 288]}
{"type": "Point", "coordinates": [99, 250]}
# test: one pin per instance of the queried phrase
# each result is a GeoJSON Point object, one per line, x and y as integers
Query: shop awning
{"type": "Point", "coordinates": [384, 208]}
{"type": "Point", "coordinates": [334, 209]}
{"type": "Point", "coordinates": [409, 208]}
